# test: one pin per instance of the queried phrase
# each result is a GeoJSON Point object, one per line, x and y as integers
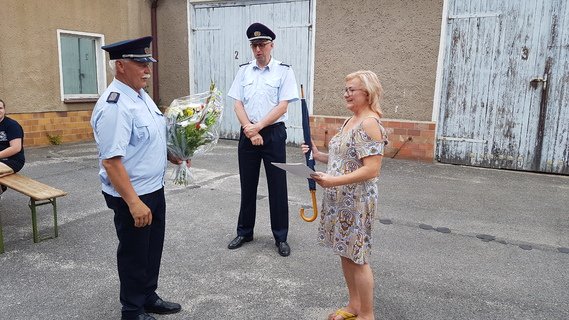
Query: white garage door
{"type": "Point", "coordinates": [219, 45]}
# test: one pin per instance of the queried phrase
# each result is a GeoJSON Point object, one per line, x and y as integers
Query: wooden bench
{"type": "Point", "coordinates": [40, 194]}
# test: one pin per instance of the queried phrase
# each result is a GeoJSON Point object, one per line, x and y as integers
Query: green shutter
{"type": "Point", "coordinates": [79, 66]}
{"type": "Point", "coordinates": [87, 66]}
{"type": "Point", "coordinates": [70, 64]}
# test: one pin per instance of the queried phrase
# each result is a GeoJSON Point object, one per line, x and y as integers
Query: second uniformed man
{"type": "Point", "coordinates": [262, 90]}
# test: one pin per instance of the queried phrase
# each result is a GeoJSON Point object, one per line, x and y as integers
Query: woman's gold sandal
{"type": "Point", "coordinates": [345, 314]}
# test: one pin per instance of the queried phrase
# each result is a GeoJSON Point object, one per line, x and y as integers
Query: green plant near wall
{"type": "Point", "coordinates": [54, 139]}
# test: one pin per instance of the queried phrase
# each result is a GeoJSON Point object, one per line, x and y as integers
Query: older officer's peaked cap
{"type": "Point", "coordinates": [135, 49]}
{"type": "Point", "coordinates": [259, 32]}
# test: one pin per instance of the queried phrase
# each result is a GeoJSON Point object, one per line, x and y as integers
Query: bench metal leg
{"type": "Point", "coordinates": [34, 220]}
{"type": "Point", "coordinates": [33, 204]}
{"type": "Point", "coordinates": [54, 203]}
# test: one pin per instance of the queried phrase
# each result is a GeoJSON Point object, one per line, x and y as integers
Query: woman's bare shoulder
{"type": "Point", "coordinates": [372, 127]}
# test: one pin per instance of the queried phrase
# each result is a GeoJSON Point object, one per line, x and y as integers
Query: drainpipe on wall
{"type": "Point", "coordinates": [155, 75]}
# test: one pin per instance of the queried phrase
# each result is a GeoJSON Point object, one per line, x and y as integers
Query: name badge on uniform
{"type": "Point", "coordinates": [113, 97]}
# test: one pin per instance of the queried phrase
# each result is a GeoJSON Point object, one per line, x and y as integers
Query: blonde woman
{"type": "Point", "coordinates": [351, 192]}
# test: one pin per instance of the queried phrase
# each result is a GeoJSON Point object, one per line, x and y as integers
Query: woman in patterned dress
{"type": "Point", "coordinates": [350, 194]}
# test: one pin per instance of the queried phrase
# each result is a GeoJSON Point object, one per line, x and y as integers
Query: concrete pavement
{"type": "Point", "coordinates": [420, 273]}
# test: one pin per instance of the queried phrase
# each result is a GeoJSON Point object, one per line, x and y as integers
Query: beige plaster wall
{"type": "Point", "coordinates": [399, 40]}
{"type": "Point", "coordinates": [29, 66]}
{"type": "Point", "coordinates": [173, 50]}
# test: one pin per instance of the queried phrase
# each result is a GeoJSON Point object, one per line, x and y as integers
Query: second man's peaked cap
{"type": "Point", "coordinates": [134, 49]}
{"type": "Point", "coordinates": [260, 32]}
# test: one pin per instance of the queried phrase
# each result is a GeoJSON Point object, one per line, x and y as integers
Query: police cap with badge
{"type": "Point", "coordinates": [258, 32]}
{"type": "Point", "coordinates": [134, 49]}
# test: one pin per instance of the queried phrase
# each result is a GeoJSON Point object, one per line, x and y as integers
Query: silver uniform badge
{"type": "Point", "coordinates": [113, 97]}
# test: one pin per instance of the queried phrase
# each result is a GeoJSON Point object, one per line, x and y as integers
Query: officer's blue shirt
{"type": "Point", "coordinates": [261, 90]}
{"type": "Point", "coordinates": [134, 129]}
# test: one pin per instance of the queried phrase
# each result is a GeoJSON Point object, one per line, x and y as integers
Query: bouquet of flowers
{"type": "Point", "coordinates": [193, 128]}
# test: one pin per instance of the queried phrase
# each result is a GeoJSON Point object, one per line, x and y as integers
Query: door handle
{"type": "Point", "coordinates": [535, 81]}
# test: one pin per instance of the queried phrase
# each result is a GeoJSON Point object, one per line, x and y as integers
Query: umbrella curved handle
{"type": "Point", "coordinates": [314, 209]}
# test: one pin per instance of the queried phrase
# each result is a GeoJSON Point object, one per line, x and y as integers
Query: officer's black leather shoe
{"type": "Point", "coordinates": [142, 316]}
{"type": "Point", "coordinates": [238, 242]}
{"type": "Point", "coordinates": [163, 307]}
{"type": "Point", "coordinates": [283, 248]}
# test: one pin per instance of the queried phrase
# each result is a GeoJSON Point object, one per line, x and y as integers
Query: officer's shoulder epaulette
{"type": "Point", "coordinates": [284, 64]}
{"type": "Point", "coordinates": [113, 97]}
{"type": "Point", "coordinates": [244, 64]}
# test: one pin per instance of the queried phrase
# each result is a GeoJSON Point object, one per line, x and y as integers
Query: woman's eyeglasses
{"type": "Point", "coordinates": [350, 91]}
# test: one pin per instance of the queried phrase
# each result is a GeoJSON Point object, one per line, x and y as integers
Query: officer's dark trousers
{"type": "Point", "coordinates": [250, 156]}
{"type": "Point", "coordinates": [139, 252]}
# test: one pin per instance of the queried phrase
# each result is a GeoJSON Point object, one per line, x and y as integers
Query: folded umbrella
{"type": "Point", "coordinates": [309, 158]}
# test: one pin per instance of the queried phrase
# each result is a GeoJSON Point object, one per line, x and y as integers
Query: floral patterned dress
{"type": "Point", "coordinates": [348, 211]}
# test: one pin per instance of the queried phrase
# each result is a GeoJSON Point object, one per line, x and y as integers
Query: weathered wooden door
{"type": "Point", "coordinates": [219, 45]}
{"type": "Point", "coordinates": [504, 97]}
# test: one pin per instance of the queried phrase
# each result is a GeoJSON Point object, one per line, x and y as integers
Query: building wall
{"type": "Point", "coordinates": [407, 139]}
{"type": "Point", "coordinates": [398, 40]}
{"type": "Point", "coordinates": [173, 50]}
{"type": "Point", "coordinates": [29, 60]}
{"type": "Point", "coordinates": [55, 127]}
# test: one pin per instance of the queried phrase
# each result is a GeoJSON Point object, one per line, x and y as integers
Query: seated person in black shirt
{"type": "Point", "coordinates": [11, 142]}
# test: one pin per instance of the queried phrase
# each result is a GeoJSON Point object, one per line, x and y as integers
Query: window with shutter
{"type": "Point", "coordinates": [81, 66]}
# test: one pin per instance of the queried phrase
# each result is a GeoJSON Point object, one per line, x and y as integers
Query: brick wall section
{"type": "Point", "coordinates": [413, 140]}
{"type": "Point", "coordinates": [70, 126]}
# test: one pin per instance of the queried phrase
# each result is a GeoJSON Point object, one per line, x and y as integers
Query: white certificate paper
{"type": "Point", "coordinates": [298, 169]}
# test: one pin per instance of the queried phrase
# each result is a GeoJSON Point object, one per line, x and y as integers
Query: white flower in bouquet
{"type": "Point", "coordinates": [192, 128]}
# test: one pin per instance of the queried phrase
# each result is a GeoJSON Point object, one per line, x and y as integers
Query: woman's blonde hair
{"type": "Point", "coordinates": [372, 86]}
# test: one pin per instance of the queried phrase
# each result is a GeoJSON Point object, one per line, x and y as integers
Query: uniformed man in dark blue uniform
{"type": "Point", "coordinates": [130, 132]}
{"type": "Point", "coordinates": [262, 90]}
